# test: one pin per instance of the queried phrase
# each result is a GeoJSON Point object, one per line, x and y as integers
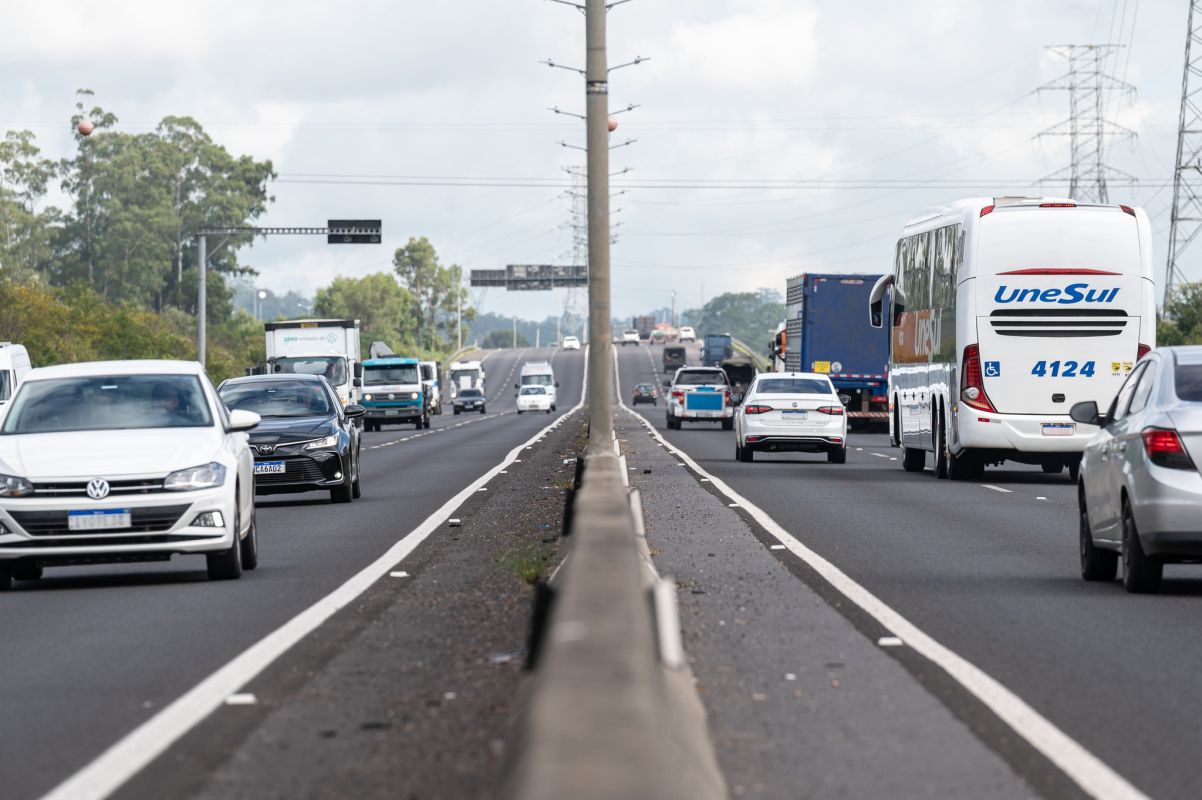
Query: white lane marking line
{"type": "Point", "coordinates": [878, 455]}
{"type": "Point", "coordinates": [398, 574]}
{"type": "Point", "coordinates": [776, 547]}
{"type": "Point", "coordinates": [996, 488]}
{"type": "Point", "coordinates": [893, 459]}
{"type": "Point", "coordinates": [890, 641]}
{"type": "Point", "coordinates": [241, 699]}
{"type": "Point", "coordinates": [128, 756]}
{"type": "Point", "coordinates": [1041, 497]}
{"type": "Point", "coordinates": [1081, 766]}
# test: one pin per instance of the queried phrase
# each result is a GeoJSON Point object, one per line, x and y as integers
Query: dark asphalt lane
{"type": "Point", "coordinates": [992, 575]}
{"type": "Point", "coordinates": [90, 653]}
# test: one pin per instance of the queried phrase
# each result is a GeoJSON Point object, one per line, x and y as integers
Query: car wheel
{"type": "Point", "coordinates": [913, 459]}
{"type": "Point", "coordinates": [519, 411]}
{"type": "Point", "coordinates": [6, 575]}
{"type": "Point", "coordinates": [344, 492]}
{"type": "Point", "coordinates": [1074, 470]}
{"type": "Point", "coordinates": [744, 453]}
{"type": "Point", "coordinates": [553, 408]}
{"type": "Point", "coordinates": [837, 456]}
{"type": "Point", "coordinates": [728, 424]}
{"type": "Point", "coordinates": [456, 412]}
{"type": "Point", "coordinates": [27, 571]}
{"type": "Point", "coordinates": [1052, 469]}
{"type": "Point", "coordinates": [1141, 574]}
{"type": "Point", "coordinates": [1096, 564]}
{"type": "Point", "coordinates": [426, 422]}
{"type": "Point", "coordinates": [357, 485]}
{"type": "Point", "coordinates": [481, 409]}
{"type": "Point", "coordinates": [227, 564]}
{"type": "Point", "coordinates": [250, 545]}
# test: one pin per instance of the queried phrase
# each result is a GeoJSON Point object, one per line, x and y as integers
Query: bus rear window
{"type": "Point", "coordinates": [1086, 239]}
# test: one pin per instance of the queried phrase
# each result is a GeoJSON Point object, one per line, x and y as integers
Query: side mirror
{"type": "Point", "coordinates": [357, 383]}
{"type": "Point", "coordinates": [516, 386]}
{"type": "Point", "coordinates": [243, 420]}
{"type": "Point", "coordinates": [358, 369]}
{"type": "Point", "coordinates": [875, 313]}
{"type": "Point", "coordinates": [1086, 413]}
{"type": "Point", "coordinates": [353, 411]}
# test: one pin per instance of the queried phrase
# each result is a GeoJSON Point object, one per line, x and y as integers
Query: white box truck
{"type": "Point", "coordinates": [328, 347]}
{"type": "Point", "coordinates": [14, 363]}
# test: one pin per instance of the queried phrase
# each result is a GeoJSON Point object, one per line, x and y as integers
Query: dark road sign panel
{"type": "Point", "coordinates": [354, 231]}
{"type": "Point", "coordinates": [532, 277]}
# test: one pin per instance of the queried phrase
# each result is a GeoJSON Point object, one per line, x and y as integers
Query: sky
{"type": "Point", "coordinates": [771, 137]}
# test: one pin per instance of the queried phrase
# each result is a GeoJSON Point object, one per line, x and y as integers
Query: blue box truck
{"type": "Point", "coordinates": [827, 331]}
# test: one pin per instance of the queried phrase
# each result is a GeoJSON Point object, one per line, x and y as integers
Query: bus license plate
{"type": "Point", "coordinates": [269, 468]}
{"type": "Point", "coordinates": [98, 520]}
{"type": "Point", "coordinates": [1059, 429]}
{"type": "Point", "coordinates": [795, 416]}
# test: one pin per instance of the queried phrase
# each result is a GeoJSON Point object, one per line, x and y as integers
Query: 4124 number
{"type": "Point", "coordinates": [1063, 369]}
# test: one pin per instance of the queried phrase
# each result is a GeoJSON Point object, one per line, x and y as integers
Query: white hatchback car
{"type": "Point", "coordinates": [571, 343]}
{"type": "Point", "coordinates": [791, 411]}
{"type": "Point", "coordinates": [687, 334]}
{"type": "Point", "coordinates": [124, 461]}
{"type": "Point", "coordinates": [535, 398]}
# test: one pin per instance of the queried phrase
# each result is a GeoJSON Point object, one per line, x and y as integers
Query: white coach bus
{"type": "Point", "coordinates": [1005, 312]}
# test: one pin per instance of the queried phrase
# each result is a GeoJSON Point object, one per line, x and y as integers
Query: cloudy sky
{"type": "Point", "coordinates": [773, 136]}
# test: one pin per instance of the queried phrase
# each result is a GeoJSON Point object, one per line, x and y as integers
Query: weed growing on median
{"type": "Point", "coordinates": [527, 561]}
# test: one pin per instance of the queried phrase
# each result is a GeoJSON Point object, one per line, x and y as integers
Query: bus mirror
{"type": "Point", "coordinates": [874, 314]}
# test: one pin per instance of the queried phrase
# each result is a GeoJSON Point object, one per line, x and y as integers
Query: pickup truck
{"type": "Point", "coordinates": [699, 394]}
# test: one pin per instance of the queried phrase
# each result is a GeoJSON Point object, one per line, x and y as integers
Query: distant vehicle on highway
{"type": "Point", "coordinates": [643, 393]}
{"type": "Point", "coordinates": [1140, 488]}
{"type": "Point", "coordinates": [466, 375]}
{"type": "Point", "coordinates": [687, 334]}
{"type": "Point", "coordinates": [699, 394]}
{"type": "Point", "coordinates": [794, 412]}
{"type": "Point", "coordinates": [535, 398]}
{"type": "Point", "coordinates": [645, 326]}
{"type": "Point", "coordinates": [327, 347]}
{"type": "Point", "coordinates": [539, 373]}
{"type": "Point", "coordinates": [630, 337]}
{"type": "Point", "coordinates": [306, 440]}
{"type": "Point", "coordinates": [124, 461]}
{"type": "Point", "coordinates": [715, 348]}
{"type": "Point", "coordinates": [432, 385]}
{"type": "Point", "coordinates": [675, 357]}
{"type": "Point", "coordinates": [1004, 313]}
{"type": "Point", "coordinates": [468, 400]}
{"type": "Point", "coordinates": [570, 343]}
{"type": "Point", "coordinates": [14, 365]}
{"type": "Point", "coordinates": [393, 393]}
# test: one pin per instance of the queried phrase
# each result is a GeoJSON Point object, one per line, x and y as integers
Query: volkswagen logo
{"type": "Point", "coordinates": [795, 405]}
{"type": "Point", "coordinates": [98, 488]}
{"type": "Point", "coordinates": [266, 449]}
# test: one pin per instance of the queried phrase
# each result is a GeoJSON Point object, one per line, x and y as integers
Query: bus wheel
{"type": "Point", "coordinates": [914, 459]}
{"type": "Point", "coordinates": [942, 453]}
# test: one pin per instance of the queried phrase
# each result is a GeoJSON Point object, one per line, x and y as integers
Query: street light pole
{"type": "Point", "coordinates": [600, 353]}
{"type": "Point", "coordinates": [202, 258]}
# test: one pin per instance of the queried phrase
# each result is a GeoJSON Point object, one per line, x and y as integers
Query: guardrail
{"type": "Point", "coordinates": [609, 709]}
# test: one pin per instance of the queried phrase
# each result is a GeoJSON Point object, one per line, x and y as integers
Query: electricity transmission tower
{"type": "Point", "coordinates": [1187, 174]}
{"type": "Point", "coordinates": [1087, 85]}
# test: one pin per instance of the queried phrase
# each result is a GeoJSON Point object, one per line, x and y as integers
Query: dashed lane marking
{"type": "Point", "coordinates": [991, 487]}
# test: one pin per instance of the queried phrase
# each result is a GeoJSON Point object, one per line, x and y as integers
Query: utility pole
{"type": "Point", "coordinates": [600, 353]}
{"type": "Point", "coordinates": [459, 313]}
{"type": "Point", "coordinates": [672, 321]}
{"type": "Point", "coordinates": [515, 333]}
{"type": "Point", "coordinates": [1186, 219]}
{"type": "Point", "coordinates": [1086, 126]}
{"type": "Point", "coordinates": [202, 260]}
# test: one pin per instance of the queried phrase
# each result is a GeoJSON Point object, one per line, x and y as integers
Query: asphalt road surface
{"type": "Point", "coordinates": [989, 569]}
{"type": "Point", "coordinates": [90, 653]}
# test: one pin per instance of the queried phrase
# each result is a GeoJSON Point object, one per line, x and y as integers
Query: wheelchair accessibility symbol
{"type": "Point", "coordinates": [993, 369]}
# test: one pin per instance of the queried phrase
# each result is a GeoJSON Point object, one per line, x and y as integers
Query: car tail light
{"type": "Point", "coordinates": [1142, 351]}
{"type": "Point", "coordinates": [1164, 448]}
{"type": "Point", "coordinates": [756, 409]}
{"type": "Point", "coordinates": [835, 439]}
{"type": "Point", "coordinates": [834, 411]}
{"type": "Point", "coordinates": [972, 383]}
{"type": "Point", "coordinates": [987, 210]}
{"type": "Point", "coordinates": [1128, 210]}
{"type": "Point", "coordinates": [678, 394]}
{"type": "Point", "coordinates": [728, 401]}
{"type": "Point", "coordinates": [751, 439]}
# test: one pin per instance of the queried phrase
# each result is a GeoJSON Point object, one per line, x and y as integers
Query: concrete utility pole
{"type": "Point", "coordinates": [459, 314]}
{"type": "Point", "coordinates": [202, 259]}
{"type": "Point", "coordinates": [600, 353]}
{"type": "Point", "coordinates": [515, 332]}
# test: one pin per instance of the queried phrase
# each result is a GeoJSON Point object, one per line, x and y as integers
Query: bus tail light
{"type": "Point", "coordinates": [1142, 351]}
{"type": "Point", "coordinates": [1164, 448]}
{"type": "Point", "coordinates": [1128, 210]}
{"type": "Point", "coordinates": [972, 381]}
{"type": "Point", "coordinates": [987, 210]}
{"type": "Point", "coordinates": [756, 409]}
{"type": "Point", "coordinates": [834, 411]}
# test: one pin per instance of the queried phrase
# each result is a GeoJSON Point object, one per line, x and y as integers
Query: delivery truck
{"type": "Point", "coordinates": [328, 347]}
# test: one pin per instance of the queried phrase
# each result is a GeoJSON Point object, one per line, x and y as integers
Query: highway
{"type": "Point", "coordinates": [989, 570]}
{"type": "Point", "coordinates": [90, 653]}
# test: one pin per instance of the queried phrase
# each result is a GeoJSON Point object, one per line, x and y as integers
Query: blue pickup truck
{"type": "Point", "coordinates": [393, 393]}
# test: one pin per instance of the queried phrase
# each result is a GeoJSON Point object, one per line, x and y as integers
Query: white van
{"type": "Point", "coordinates": [539, 373]}
{"type": "Point", "coordinates": [14, 363]}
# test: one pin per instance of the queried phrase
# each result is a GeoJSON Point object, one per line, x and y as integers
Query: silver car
{"type": "Point", "coordinates": [1140, 488]}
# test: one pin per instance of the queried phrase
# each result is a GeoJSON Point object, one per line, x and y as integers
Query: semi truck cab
{"type": "Point", "coordinates": [393, 393]}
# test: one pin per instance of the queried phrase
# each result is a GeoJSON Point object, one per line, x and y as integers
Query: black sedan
{"type": "Point", "coordinates": [306, 441]}
{"type": "Point", "coordinates": [468, 400]}
{"type": "Point", "coordinates": [644, 393]}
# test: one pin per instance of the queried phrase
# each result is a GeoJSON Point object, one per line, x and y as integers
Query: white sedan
{"type": "Point", "coordinates": [794, 411]}
{"type": "Point", "coordinates": [571, 343]}
{"type": "Point", "coordinates": [124, 461]}
{"type": "Point", "coordinates": [535, 398]}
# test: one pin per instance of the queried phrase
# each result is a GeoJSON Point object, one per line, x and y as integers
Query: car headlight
{"type": "Point", "coordinates": [367, 397]}
{"type": "Point", "coordinates": [208, 476]}
{"type": "Point", "coordinates": [319, 444]}
{"type": "Point", "coordinates": [12, 486]}
{"type": "Point", "coordinates": [413, 395]}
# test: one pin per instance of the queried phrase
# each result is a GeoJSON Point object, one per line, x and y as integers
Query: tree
{"type": "Point", "coordinates": [1181, 322]}
{"type": "Point", "coordinates": [437, 291]}
{"type": "Point", "coordinates": [26, 232]}
{"type": "Point", "coordinates": [748, 316]}
{"type": "Point", "coordinates": [498, 340]}
{"type": "Point", "coordinates": [384, 308]}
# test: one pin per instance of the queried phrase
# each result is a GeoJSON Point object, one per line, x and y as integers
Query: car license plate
{"type": "Point", "coordinates": [98, 520]}
{"type": "Point", "coordinates": [795, 416]}
{"type": "Point", "coordinates": [1059, 429]}
{"type": "Point", "coordinates": [269, 468]}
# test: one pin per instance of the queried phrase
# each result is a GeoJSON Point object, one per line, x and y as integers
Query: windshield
{"type": "Point", "coordinates": [332, 367]}
{"type": "Point", "coordinates": [793, 386]}
{"type": "Point", "coordinates": [282, 399]}
{"type": "Point", "coordinates": [110, 402]}
{"type": "Point", "coordinates": [464, 373]}
{"type": "Point", "coordinates": [537, 380]}
{"type": "Point", "coordinates": [534, 390]}
{"type": "Point", "coordinates": [1189, 382]}
{"type": "Point", "coordinates": [470, 393]}
{"type": "Point", "coordinates": [377, 376]}
{"type": "Point", "coordinates": [6, 388]}
{"type": "Point", "coordinates": [699, 378]}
